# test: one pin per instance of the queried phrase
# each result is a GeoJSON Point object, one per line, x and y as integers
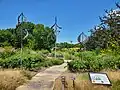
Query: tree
{"type": "Point", "coordinates": [17, 38]}
{"type": "Point", "coordinates": [97, 39]}
{"type": "Point", "coordinates": [38, 36]}
{"type": "Point", "coordinates": [5, 37]}
{"type": "Point", "coordinates": [107, 34]}
{"type": "Point", "coordinates": [44, 37]}
{"type": "Point", "coordinates": [65, 45]}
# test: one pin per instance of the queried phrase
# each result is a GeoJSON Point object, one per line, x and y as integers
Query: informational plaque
{"type": "Point", "coordinates": [99, 78]}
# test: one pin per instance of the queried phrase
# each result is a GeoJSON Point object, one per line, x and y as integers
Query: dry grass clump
{"type": "Point", "coordinates": [10, 79]}
{"type": "Point", "coordinates": [114, 75]}
{"type": "Point", "coordinates": [82, 82]}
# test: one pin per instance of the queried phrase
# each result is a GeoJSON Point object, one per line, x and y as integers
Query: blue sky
{"type": "Point", "coordinates": [74, 16]}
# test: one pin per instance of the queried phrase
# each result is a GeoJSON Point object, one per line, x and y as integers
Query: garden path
{"type": "Point", "coordinates": [45, 80]}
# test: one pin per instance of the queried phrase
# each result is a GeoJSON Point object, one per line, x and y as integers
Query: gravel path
{"type": "Point", "coordinates": [44, 80]}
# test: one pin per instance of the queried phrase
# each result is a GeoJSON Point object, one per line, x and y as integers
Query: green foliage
{"type": "Point", "coordinates": [44, 37]}
{"type": "Point", "coordinates": [30, 60]}
{"type": "Point", "coordinates": [39, 37]}
{"type": "Point", "coordinates": [65, 45]}
{"type": "Point", "coordinates": [106, 35]}
{"type": "Point", "coordinates": [45, 52]}
{"type": "Point", "coordinates": [5, 37]}
{"type": "Point", "coordinates": [89, 61]}
{"type": "Point", "coordinates": [69, 56]}
{"type": "Point", "coordinates": [19, 33]}
{"type": "Point", "coordinates": [59, 54]}
{"type": "Point", "coordinates": [7, 52]}
{"type": "Point", "coordinates": [57, 61]}
{"type": "Point", "coordinates": [51, 62]}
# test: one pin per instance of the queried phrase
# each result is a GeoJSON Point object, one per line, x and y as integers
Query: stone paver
{"type": "Point", "coordinates": [44, 80]}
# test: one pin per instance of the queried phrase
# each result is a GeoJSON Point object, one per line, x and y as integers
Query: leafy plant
{"type": "Point", "coordinates": [30, 60]}
{"type": "Point", "coordinates": [92, 62]}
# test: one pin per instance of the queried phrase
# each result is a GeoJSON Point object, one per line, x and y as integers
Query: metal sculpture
{"type": "Point", "coordinates": [56, 25]}
{"type": "Point", "coordinates": [21, 19]}
{"type": "Point", "coordinates": [56, 31]}
{"type": "Point", "coordinates": [82, 38]}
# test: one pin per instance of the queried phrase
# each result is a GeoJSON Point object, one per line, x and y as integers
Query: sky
{"type": "Point", "coordinates": [74, 16]}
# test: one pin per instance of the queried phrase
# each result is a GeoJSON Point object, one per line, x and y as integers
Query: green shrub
{"type": "Point", "coordinates": [59, 54]}
{"type": "Point", "coordinates": [89, 61]}
{"type": "Point", "coordinates": [57, 61]}
{"type": "Point", "coordinates": [78, 65]}
{"type": "Point", "coordinates": [67, 56]}
{"type": "Point", "coordinates": [6, 54]}
{"type": "Point", "coordinates": [29, 60]}
{"type": "Point", "coordinates": [46, 52]}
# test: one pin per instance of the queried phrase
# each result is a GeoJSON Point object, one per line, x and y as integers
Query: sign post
{"type": "Point", "coordinates": [63, 82]}
{"type": "Point", "coordinates": [73, 78]}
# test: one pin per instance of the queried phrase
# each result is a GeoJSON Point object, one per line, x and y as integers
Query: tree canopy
{"type": "Point", "coordinates": [107, 33]}
{"type": "Point", "coordinates": [39, 36]}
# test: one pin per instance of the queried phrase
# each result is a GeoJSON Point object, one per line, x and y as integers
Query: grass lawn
{"type": "Point", "coordinates": [82, 82]}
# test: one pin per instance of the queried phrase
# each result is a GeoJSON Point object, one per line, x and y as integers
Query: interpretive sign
{"type": "Point", "coordinates": [99, 78]}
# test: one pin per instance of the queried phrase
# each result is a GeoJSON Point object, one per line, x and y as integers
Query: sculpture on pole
{"type": "Point", "coordinates": [21, 19]}
{"type": "Point", "coordinates": [82, 38]}
{"type": "Point", "coordinates": [56, 31]}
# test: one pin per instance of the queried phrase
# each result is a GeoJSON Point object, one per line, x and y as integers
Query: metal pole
{"type": "Point", "coordinates": [70, 50]}
{"type": "Point", "coordinates": [56, 40]}
{"type": "Point", "coordinates": [55, 47]}
{"type": "Point", "coordinates": [56, 31]}
{"type": "Point", "coordinates": [22, 17]}
{"type": "Point", "coordinates": [21, 48]}
{"type": "Point", "coordinates": [19, 23]}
